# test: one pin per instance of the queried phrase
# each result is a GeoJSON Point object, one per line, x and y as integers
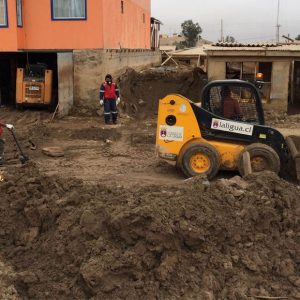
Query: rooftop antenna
{"type": "Point", "coordinates": [222, 31]}
{"type": "Point", "coordinates": [278, 25]}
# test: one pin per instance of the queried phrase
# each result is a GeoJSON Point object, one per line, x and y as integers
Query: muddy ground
{"type": "Point", "coordinates": [108, 220]}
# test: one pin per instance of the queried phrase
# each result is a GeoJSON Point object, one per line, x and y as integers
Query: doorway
{"type": "Point", "coordinates": [9, 62]}
{"type": "Point", "coordinates": [295, 88]}
{"type": "Point", "coordinates": [7, 79]}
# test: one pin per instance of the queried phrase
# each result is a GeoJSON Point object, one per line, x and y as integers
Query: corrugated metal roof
{"type": "Point", "coordinates": [153, 20]}
{"type": "Point", "coordinates": [282, 48]}
{"type": "Point", "coordinates": [190, 52]}
{"type": "Point", "coordinates": [221, 44]}
{"type": "Point", "coordinates": [253, 47]}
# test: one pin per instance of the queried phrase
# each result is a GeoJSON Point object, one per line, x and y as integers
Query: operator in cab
{"type": "Point", "coordinates": [231, 107]}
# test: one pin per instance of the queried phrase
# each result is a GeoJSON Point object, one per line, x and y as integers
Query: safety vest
{"type": "Point", "coordinates": [109, 91]}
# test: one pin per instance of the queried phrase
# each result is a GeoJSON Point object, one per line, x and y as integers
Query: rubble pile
{"type": "Point", "coordinates": [230, 239]}
{"type": "Point", "coordinates": [282, 120]}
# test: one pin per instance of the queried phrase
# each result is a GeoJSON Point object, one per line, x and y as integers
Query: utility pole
{"type": "Point", "coordinates": [277, 25]}
{"type": "Point", "coordinates": [222, 33]}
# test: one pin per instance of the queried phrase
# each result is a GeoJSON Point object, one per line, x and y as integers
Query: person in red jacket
{"type": "Point", "coordinates": [9, 127]}
{"type": "Point", "coordinates": [110, 98]}
{"type": "Point", "coordinates": [231, 107]}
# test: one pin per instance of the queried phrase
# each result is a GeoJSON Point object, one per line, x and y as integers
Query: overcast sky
{"type": "Point", "coordinates": [246, 20]}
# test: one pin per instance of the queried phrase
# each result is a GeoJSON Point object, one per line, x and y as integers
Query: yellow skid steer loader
{"type": "Point", "coordinates": [213, 136]}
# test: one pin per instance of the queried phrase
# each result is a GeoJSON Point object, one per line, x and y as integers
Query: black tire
{"type": "Point", "coordinates": [208, 152]}
{"type": "Point", "coordinates": [262, 158]}
{"type": "Point", "coordinates": [19, 107]}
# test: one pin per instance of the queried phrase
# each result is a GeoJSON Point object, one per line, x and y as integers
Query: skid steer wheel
{"type": "Point", "coordinates": [262, 158]}
{"type": "Point", "coordinates": [200, 158]}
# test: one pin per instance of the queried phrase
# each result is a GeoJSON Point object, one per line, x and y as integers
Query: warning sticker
{"type": "Point", "coordinates": [230, 126]}
{"type": "Point", "coordinates": [170, 133]}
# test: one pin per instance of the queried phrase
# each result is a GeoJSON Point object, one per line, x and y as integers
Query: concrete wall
{"type": "Point", "coordinates": [216, 69]}
{"type": "Point", "coordinates": [280, 85]}
{"type": "Point", "coordinates": [91, 66]}
{"type": "Point", "coordinates": [65, 72]}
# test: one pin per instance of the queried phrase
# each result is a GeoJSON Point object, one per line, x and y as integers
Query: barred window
{"type": "Point", "coordinates": [3, 13]}
{"type": "Point", "coordinates": [68, 9]}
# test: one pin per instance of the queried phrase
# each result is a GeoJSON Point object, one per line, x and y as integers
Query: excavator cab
{"type": "Point", "coordinates": [218, 133]}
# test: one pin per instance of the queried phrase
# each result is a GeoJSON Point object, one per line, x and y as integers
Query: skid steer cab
{"type": "Point", "coordinates": [213, 136]}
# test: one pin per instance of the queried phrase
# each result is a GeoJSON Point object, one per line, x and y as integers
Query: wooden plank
{"type": "Point", "coordinates": [169, 58]}
{"type": "Point", "coordinates": [247, 163]}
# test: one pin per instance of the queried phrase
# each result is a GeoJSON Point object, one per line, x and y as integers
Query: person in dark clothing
{"type": "Point", "coordinates": [110, 98]}
{"type": "Point", "coordinates": [9, 127]}
{"type": "Point", "coordinates": [231, 107]}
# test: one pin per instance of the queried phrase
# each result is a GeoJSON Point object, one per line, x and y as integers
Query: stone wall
{"type": "Point", "coordinates": [91, 66]}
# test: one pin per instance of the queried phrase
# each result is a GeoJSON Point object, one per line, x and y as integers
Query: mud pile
{"type": "Point", "coordinates": [141, 91]}
{"type": "Point", "coordinates": [282, 120]}
{"type": "Point", "coordinates": [232, 239]}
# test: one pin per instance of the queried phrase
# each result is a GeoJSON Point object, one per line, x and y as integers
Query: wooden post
{"type": "Point", "coordinates": [247, 163]}
{"type": "Point", "coordinates": [55, 111]}
{"type": "Point", "coordinates": [169, 58]}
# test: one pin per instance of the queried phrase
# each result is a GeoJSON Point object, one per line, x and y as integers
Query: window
{"type": "Point", "coordinates": [241, 70]}
{"type": "Point", "coordinates": [249, 71]}
{"type": "Point", "coordinates": [122, 7]}
{"type": "Point", "coordinates": [68, 9]}
{"type": "Point", "coordinates": [3, 13]}
{"type": "Point", "coordinates": [19, 13]}
{"type": "Point", "coordinates": [233, 70]}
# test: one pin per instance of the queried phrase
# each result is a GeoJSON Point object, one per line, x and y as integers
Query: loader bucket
{"type": "Point", "coordinates": [293, 143]}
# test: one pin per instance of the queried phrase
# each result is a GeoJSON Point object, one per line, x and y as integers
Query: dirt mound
{"type": "Point", "coordinates": [96, 134]}
{"type": "Point", "coordinates": [141, 91]}
{"type": "Point", "coordinates": [232, 239]}
{"type": "Point", "coordinates": [282, 120]}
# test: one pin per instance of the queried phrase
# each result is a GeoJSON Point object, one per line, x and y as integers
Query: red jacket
{"type": "Point", "coordinates": [1, 130]}
{"type": "Point", "coordinates": [109, 91]}
{"type": "Point", "coordinates": [231, 108]}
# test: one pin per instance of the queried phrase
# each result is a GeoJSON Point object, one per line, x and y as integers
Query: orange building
{"type": "Point", "coordinates": [74, 24]}
{"type": "Point", "coordinates": [52, 31]}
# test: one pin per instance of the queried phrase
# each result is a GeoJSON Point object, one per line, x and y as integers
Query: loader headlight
{"type": "Point", "coordinates": [171, 120]}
